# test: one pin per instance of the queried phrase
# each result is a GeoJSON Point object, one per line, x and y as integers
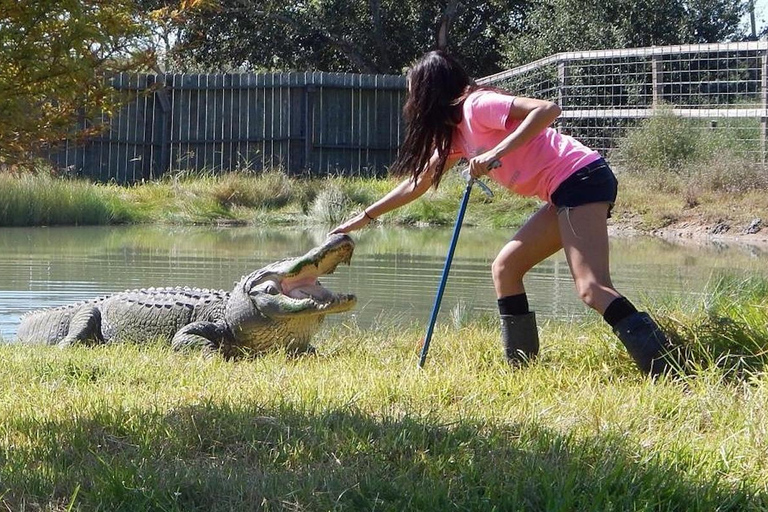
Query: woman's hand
{"type": "Point", "coordinates": [482, 164]}
{"type": "Point", "coordinates": [359, 221]}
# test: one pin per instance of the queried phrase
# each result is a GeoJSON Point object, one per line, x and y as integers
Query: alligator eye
{"type": "Point", "coordinates": [271, 289]}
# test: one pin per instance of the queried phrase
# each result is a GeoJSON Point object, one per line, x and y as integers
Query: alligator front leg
{"type": "Point", "coordinates": [209, 337]}
{"type": "Point", "coordinates": [85, 326]}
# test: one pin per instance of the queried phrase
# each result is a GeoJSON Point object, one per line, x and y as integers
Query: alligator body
{"type": "Point", "coordinates": [280, 305]}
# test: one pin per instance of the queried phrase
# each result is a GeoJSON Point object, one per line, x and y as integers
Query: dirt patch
{"type": "Point", "coordinates": [697, 231]}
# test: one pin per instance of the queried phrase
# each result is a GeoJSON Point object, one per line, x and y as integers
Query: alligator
{"type": "Point", "coordinates": [279, 305]}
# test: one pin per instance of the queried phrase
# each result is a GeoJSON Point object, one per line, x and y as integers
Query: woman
{"type": "Point", "coordinates": [509, 138]}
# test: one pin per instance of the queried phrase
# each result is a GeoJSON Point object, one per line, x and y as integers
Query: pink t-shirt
{"type": "Point", "coordinates": [535, 168]}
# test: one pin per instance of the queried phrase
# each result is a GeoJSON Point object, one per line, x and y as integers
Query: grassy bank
{"type": "Point", "coordinates": [276, 199]}
{"type": "Point", "coordinates": [270, 198]}
{"type": "Point", "coordinates": [673, 171]}
{"type": "Point", "coordinates": [687, 173]}
{"type": "Point", "coordinates": [358, 427]}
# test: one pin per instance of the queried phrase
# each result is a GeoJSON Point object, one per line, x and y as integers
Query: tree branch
{"type": "Point", "coordinates": [445, 24]}
{"type": "Point", "coordinates": [378, 34]}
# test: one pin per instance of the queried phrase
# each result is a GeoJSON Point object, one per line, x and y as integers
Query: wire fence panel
{"type": "Point", "coordinates": [604, 94]}
{"type": "Point", "coordinates": [302, 123]}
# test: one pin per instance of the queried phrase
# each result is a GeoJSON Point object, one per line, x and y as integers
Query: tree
{"type": "Point", "coordinates": [54, 56]}
{"type": "Point", "coordinates": [386, 36]}
{"type": "Point", "coordinates": [372, 36]}
{"type": "Point", "coordinates": [571, 25]}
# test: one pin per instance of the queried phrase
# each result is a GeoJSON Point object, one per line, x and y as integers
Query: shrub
{"type": "Point", "coordinates": [663, 142]}
{"type": "Point", "coordinates": [679, 154]}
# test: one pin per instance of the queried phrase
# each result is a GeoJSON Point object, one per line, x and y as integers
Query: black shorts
{"type": "Point", "coordinates": [593, 183]}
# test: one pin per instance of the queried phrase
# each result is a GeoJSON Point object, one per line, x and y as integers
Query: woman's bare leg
{"type": "Point", "coordinates": [584, 235]}
{"type": "Point", "coordinates": [538, 239]}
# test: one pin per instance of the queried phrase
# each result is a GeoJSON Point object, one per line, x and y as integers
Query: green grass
{"type": "Point", "coordinates": [676, 171]}
{"type": "Point", "coordinates": [359, 427]}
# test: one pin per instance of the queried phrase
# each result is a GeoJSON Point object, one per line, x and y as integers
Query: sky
{"type": "Point", "coordinates": [761, 15]}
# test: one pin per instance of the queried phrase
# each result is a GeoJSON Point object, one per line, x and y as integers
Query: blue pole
{"type": "Point", "coordinates": [446, 269]}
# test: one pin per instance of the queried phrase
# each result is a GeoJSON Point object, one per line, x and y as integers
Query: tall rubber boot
{"type": "Point", "coordinates": [645, 342]}
{"type": "Point", "coordinates": [519, 338]}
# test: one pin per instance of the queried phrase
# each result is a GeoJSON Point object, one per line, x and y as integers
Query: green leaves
{"type": "Point", "coordinates": [54, 57]}
{"type": "Point", "coordinates": [375, 36]}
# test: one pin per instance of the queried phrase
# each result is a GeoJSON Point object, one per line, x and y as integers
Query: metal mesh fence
{"type": "Point", "coordinates": [720, 89]}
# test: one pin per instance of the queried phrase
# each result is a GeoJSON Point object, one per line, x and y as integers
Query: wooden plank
{"type": "Point", "coordinates": [296, 109]}
{"type": "Point", "coordinates": [367, 99]}
{"type": "Point", "coordinates": [133, 156]}
{"type": "Point", "coordinates": [146, 130]}
{"type": "Point", "coordinates": [259, 122]}
{"type": "Point", "coordinates": [102, 150]}
{"type": "Point", "coordinates": [218, 122]}
{"type": "Point", "coordinates": [209, 109]}
{"type": "Point", "coordinates": [284, 121]}
{"type": "Point", "coordinates": [356, 126]}
{"type": "Point", "coordinates": [182, 101]}
{"type": "Point", "coordinates": [163, 124]}
{"type": "Point", "coordinates": [116, 168]}
{"type": "Point", "coordinates": [205, 128]}
{"type": "Point", "coordinates": [235, 116]}
{"type": "Point", "coordinates": [269, 121]}
{"type": "Point", "coordinates": [320, 124]}
{"type": "Point", "coordinates": [252, 149]}
{"type": "Point", "coordinates": [312, 154]}
{"type": "Point", "coordinates": [190, 123]}
{"type": "Point", "coordinates": [177, 107]}
{"type": "Point", "coordinates": [242, 120]}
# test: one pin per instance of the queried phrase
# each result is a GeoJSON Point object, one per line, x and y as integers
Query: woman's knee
{"type": "Point", "coordinates": [505, 268]}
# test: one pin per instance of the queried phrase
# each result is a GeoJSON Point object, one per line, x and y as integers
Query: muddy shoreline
{"type": "Point", "coordinates": [689, 232]}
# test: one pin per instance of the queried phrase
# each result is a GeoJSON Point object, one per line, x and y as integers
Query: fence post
{"type": "Point", "coordinates": [763, 102]}
{"type": "Point", "coordinates": [657, 80]}
{"type": "Point", "coordinates": [562, 84]}
{"type": "Point", "coordinates": [164, 158]}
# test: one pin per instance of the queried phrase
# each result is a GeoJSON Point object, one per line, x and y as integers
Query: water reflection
{"type": "Point", "coordinates": [395, 272]}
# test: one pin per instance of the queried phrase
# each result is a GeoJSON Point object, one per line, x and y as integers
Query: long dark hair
{"type": "Point", "coordinates": [437, 87]}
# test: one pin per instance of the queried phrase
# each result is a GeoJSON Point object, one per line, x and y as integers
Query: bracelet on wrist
{"type": "Point", "coordinates": [365, 212]}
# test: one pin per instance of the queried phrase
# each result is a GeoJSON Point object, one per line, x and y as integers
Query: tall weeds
{"type": "Point", "coordinates": [44, 200]}
{"type": "Point", "coordinates": [726, 328]}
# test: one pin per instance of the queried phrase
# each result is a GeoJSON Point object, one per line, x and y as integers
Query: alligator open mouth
{"type": "Point", "coordinates": [292, 286]}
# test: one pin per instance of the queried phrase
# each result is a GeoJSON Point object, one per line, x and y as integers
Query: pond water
{"type": "Point", "coordinates": [394, 272]}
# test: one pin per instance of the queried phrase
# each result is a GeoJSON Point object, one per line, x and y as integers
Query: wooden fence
{"type": "Point", "coordinates": [304, 123]}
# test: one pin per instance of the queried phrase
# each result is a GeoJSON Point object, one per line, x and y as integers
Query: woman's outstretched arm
{"type": "Point", "coordinates": [405, 192]}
